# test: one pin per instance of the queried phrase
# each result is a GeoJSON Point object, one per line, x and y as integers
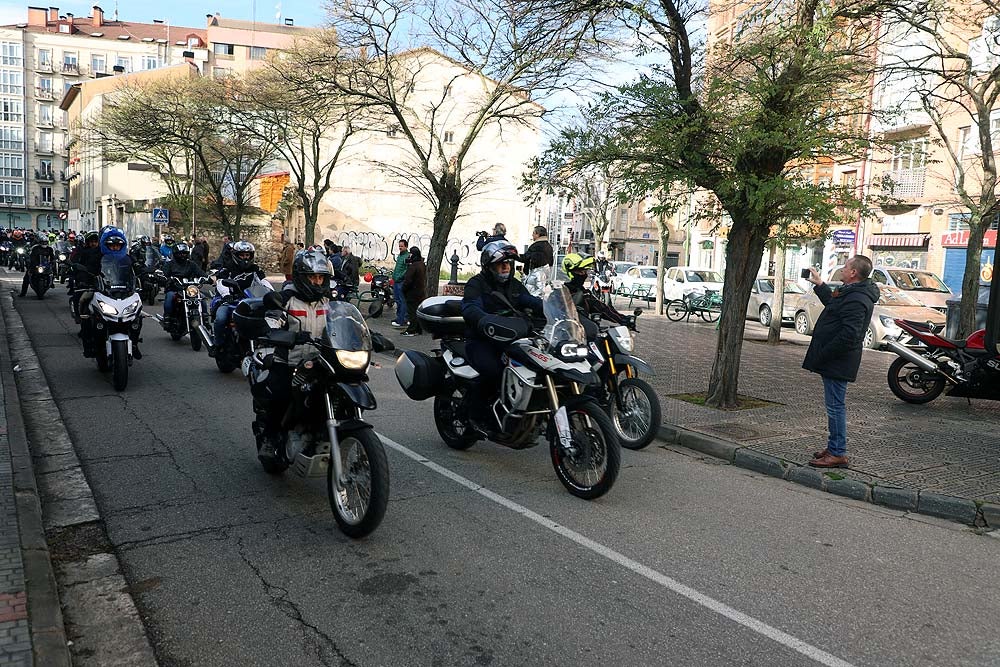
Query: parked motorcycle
{"type": "Point", "coordinates": [541, 392]}
{"type": "Point", "coordinates": [935, 363]}
{"type": "Point", "coordinates": [40, 279]}
{"type": "Point", "coordinates": [630, 401]}
{"type": "Point", "coordinates": [324, 429]}
{"type": "Point", "coordinates": [190, 311]}
{"type": "Point", "coordinates": [381, 292]}
{"type": "Point", "coordinates": [115, 318]}
{"type": "Point", "coordinates": [233, 347]}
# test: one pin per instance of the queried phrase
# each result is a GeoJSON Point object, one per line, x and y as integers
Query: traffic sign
{"type": "Point", "coordinates": [63, 215]}
{"type": "Point", "coordinates": [844, 236]}
{"type": "Point", "coordinates": [161, 216]}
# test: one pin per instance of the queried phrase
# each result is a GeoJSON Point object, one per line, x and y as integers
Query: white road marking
{"type": "Point", "coordinates": [783, 638]}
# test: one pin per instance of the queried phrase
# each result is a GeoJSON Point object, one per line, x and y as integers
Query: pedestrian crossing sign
{"type": "Point", "coordinates": [161, 216]}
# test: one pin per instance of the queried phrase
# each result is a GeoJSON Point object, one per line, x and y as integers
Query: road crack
{"type": "Point", "coordinates": [280, 598]}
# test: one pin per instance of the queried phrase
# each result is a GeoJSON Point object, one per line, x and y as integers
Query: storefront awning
{"type": "Point", "coordinates": [898, 240]}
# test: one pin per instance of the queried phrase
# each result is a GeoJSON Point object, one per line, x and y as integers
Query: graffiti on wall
{"type": "Point", "coordinates": [373, 247]}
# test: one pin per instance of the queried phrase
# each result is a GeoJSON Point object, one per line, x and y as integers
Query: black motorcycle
{"type": "Point", "coordinates": [5, 253]}
{"type": "Point", "coordinates": [323, 428]}
{"type": "Point", "coordinates": [40, 278]}
{"type": "Point", "coordinates": [149, 285]}
{"type": "Point", "coordinates": [190, 310]}
{"type": "Point", "coordinates": [380, 296]}
{"type": "Point", "coordinates": [18, 257]}
{"type": "Point", "coordinates": [233, 347]}
{"type": "Point", "coordinates": [63, 250]}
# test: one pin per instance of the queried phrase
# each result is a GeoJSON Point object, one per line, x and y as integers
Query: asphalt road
{"type": "Point", "coordinates": [685, 562]}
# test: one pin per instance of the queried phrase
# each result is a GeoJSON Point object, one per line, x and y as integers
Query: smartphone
{"type": "Point", "coordinates": [806, 273]}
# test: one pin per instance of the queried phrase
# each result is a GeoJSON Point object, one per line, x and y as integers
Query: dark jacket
{"type": "Point", "coordinates": [199, 255]}
{"type": "Point", "coordinates": [187, 270]}
{"type": "Point", "coordinates": [91, 259]}
{"type": "Point", "coordinates": [350, 268]}
{"type": "Point", "coordinates": [538, 254]}
{"type": "Point", "coordinates": [415, 279]}
{"type": "Point", "coordinates": [483, 240]}
{"type": "Point", "coordinates": [480, 301]}
{"type": "Point", "coordinates": [835, 349]}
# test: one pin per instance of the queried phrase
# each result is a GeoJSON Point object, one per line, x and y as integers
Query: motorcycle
{"type": "Point", "coordinates": [541, 392]}
{"type": "Point", "coordinates": [62, 251]}
{"type": "Point", "coordinates": [19, 258]}
{"type": "Point", "coordinates": [630, 401]}
{"type": "Point", "coordinates": [324, 432]}
{"type": "Point", "coordinates": [4, 253]}
{"type": "Point", "coordinates": [40, 279]}
{"type": "Point", "coordinates": [935, 363]}
{"type": "Point", "coordinates": [233, 347]}
{"type": "Point", "coordinates": [115, 315]}
{"type": "Point", "coordinates": [190, 310]}
{"type": "Point", "coordinates": [149, 286]}
{"type": "Point", "coordinates": [381, 292]}
{"type": "Point", "coordinates": [603, 285]}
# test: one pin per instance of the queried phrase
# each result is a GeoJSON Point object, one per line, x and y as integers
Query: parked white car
{"type": "Point", "coordinates": [638, 276]}
{"type": "Point", "coordinates": [681, 280]}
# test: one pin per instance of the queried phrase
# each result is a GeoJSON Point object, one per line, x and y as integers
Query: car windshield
{"type": "Point", "coordinates": [767, 286]}
{"type": "Point", "coordinates": [117, 273]}
{"type": "Point", "coordinates": [562, 325]}
{"type": "Point", "coordinates": [923, 281]}
{"type": "Point", "coordinates": [345, 328]}
{"type": "Point", "coordinates": [702, 277]}
{"type": "Point", "coordinates": [893, 297]}
{"type": "Point", "coordinates": [647, 273]}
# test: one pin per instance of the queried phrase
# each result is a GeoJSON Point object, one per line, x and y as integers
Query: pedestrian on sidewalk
{"type": "Point", "coordinates": [414, 289]}
{"type": "Point", "coordinates": [287, 257]}
{"type": "Point", "coordinates": [835, 350]}
{"type": "Point", "coordinates": [398, 272]}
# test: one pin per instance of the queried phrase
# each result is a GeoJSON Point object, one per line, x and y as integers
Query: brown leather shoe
{"type": "Point", "coordinates": [821, 453]}
{"type": "Point", "coordinates": [830, 461]}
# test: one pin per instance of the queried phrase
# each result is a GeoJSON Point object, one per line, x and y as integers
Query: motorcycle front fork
{"type": "Point", "coordinates": [560, 414]}
{"type": "Point", "coordinates": [331, 429]}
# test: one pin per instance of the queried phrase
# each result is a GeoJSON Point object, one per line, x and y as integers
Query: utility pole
{"type": "Point", "coordinates": [194, 175]}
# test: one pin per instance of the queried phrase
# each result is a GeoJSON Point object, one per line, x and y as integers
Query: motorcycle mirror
{"type": "Point", "coordinates": [637, 312]}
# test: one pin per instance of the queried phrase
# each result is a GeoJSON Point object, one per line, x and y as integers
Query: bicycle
{"type": "Point", "coordinates": [708, 306]}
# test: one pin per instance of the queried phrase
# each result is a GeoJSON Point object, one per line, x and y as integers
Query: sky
{"type": "Point", "coordinates": [189, 13]}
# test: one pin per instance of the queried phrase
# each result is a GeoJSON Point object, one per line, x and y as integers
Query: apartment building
{"type": "Point", "coordinates": [40, 60]}
{"type": "Point", "coordinates": [238, 46]}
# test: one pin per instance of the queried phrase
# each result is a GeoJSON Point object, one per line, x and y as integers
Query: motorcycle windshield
{"type": "Point", "coordinates": [151, 257]}
{"type": "Point", "coordinates": [345, 328]}
{"type": "Point", "coordinates": [562, 325]}
{"type": "Point", "coordinates": [63, 247]}
{"type": "Point", "coordinates": [117, 273]}
{"type": "Point", "coordinates": [258, 288]}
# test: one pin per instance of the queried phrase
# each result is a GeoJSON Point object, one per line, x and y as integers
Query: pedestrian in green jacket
{"type": "Point", "coordinates": [398, 273]}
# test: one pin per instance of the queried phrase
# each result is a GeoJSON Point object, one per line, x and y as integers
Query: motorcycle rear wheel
{"type": "Point", "coordinates": [119, 363]}
{"type": "Point", "coordinates": [225, 361]}
{"type": "Point", "coordinates": [456, 432]}
{"type": "Point", "coordinates": [360, 506]}
{"type": "Point", "coordinates": [912, 384]}
{"type": "Point", "coordinates": [640, 422]}
{"type": "Point", "coordinates": [193, 333]}
{"type": "Point", "coordinates": [592, 469]}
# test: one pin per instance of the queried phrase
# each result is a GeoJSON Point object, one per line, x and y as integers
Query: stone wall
{"type": "Point", "coordinates": [263, 232]}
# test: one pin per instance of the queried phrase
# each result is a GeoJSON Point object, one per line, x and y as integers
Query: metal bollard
{"type": "Point", "coordinates": [454, 269]}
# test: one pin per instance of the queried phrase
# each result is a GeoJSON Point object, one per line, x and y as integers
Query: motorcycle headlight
{"type": "Point", "coordinates": [40, 269]}
{"type": "Point", "coordinates": [62, 257]}
{"type": "Point", "coordinates": [131, 308]}
{"type": "Point", "coordinates": [623, 339]}
{"type": "Point", "coordinates": [20, 251]}
{"type": "Point", "coordinates": [353, 359]}
{"type": "Point", "coordinates": [107, 308]}
{"type": "Point", "coordinates": [192, 290]}
{"type": "Point", "coordinates": [572, 352]}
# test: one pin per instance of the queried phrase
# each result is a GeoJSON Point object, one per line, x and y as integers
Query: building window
{"type": "Point", "coordinates": [11, 111]}
{"type": "Point", "coordinates": [224, 49]}
{"type": "Point", "coordinates": [98, 65]}
{"type": "Point", "coordinates": [393, 131]}
{"type": "Point", "coordinates": [46, 194]}
{"type": "Point", "coordinates": [64, 27]}
{"type": "Point", "coordinates": [124, 62]}
{"type": "Point", "coordinates": [258, 53]}
{"type": "Point", "coordinates": [449, 137]}
{"type": "Point", "coordinates": [910, 154]}
{"type": "Point", "coordinates": [150, 62]}
{"type": "Point", "coordinates": [12, 192]}
{"type": "Point", "coordinates": [11, 166]}
{"type": "Point", "coordinates": [220, 72]}
{"type": "Point", "coordinates": [70, 63]}
{"type": "Point", "coordinates": [45, 142]}
{"type": "Point", "coordinates": [957, 222]}
{"type": "Point", "coordinates": [10, 53]}
{"type": "Point", "coordinates": [11, 82]}
{"type": "Point", "coordinates": [67, 86]}
{"type": "Point", "coordinates": [44, 58]}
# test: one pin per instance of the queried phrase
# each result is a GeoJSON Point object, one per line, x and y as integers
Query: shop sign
{"type": "Point", "coordinates": [708, 245]}
{"type": "Point", "coordinates": [960, 239]}
{"type": "Point", "coordinates": [844, 236]}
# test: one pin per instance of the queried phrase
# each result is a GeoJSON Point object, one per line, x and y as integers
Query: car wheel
{"type": "Point", "coordinates": [802, 324]}
{"type": "Point", "coordinates": [870, 342]}
{"type": "Point", "coordinates": [765, 316]}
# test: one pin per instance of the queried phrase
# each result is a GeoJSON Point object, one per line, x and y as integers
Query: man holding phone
{"type": "Point", "coordinates": [835, 350]}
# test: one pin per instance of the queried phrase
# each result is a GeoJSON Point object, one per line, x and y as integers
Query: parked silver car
{"type": "Point", "coordinates": [761, 303]}
{"type": "Point", "coordinates": [893, 304]}
{"type": "Point", "coordinates": [922, 285]}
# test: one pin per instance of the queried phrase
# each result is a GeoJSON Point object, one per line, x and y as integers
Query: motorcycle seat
{"type": "Point", "coordinates": [457, 347]}
{"type": "Point", "coordinates": [957, 343]}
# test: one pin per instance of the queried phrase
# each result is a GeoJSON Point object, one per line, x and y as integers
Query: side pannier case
{"type": "Point", "coordinates": [421, 376]}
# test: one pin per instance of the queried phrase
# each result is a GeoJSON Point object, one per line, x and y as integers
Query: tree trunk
{"type": "Point", "coordinates": [444, 220]}
{"type": "Point", "coordinates": [778, 303]}
{"type": "Point", "coordinates": [310, 211]}
{"type": "Point", "coordinates": [743, 256]}
{"type": "Point", "coordinates": [971, 278]}
{"type": "Point", "coordinates": [663, 232]}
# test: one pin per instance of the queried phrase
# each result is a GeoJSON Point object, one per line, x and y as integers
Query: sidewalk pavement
{"type": "Point", "coordinates": [942, 458]}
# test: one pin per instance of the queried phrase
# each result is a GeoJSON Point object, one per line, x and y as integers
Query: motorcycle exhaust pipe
{"type": "Point", "coordinates": [206, 336]}
{"type": "Point", "coordinates": [917, 360]}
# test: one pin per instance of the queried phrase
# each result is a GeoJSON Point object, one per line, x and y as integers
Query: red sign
{"type": "Point", "coordinates": [960, 239]}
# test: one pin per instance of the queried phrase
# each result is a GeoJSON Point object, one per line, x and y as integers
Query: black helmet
{"type": "Point", "coordinates": [91, 236]}
{"type": "Point", "coordinates": [495, 253]}
{"type": "Point", "coordinates": [307, 263]}
{"type": "Point", "coordinates": [182, 252]}
{"type": "Point", "coordinates": [144, 241]}
{"type": "Point", "coordinates": [243, 254]}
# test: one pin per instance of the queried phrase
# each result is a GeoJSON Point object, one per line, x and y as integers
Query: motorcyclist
{"type": "Point", "coordinates": [167, 246]}
{"type": "Point", "coordinates": [113, 246]}
{"type": "Point", "coordinates": [493, 307]}
{"type": "Point", "coordinates": [16, 241]}
{"type": "Point", "coordinates": [40, 253]}
{"type": "Point", "coordinates": [181, 268]}
{"type": "Point", "coordinates": [305, 304]}
{"type": "Point", "coordinates": [602, 264]}
{"type": "Point", "coordinates": [578, 267]}
{"type": "Point", "coordinates": [242, 273]}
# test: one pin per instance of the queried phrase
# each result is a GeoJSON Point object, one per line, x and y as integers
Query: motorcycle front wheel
{"type": "Point", "coordinates": [590, 468]}
{"type": "Point", "coordinates": [454, 429]}
{"type": "Point", "coordinates": [638, 420]}
{"type": "Point", "coordinates": [360, 504]}
{"type": "Point", "coordinates": [913, 384]}
{"type": "Point", "coordinates": [119, 364]}
{"type": "Point", "coordinates": [193, 333]}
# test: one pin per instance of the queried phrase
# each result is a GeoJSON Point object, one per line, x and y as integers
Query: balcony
{"type": "Point", "coordinates": [44, 93]}
{"type": "Point", "coordinates": [44, 66]}
{"type": "Point", "coordinates": [71, 69]}
{"type": "Point", "coordinates": [43, 203]}
{"type": "Point", "coordinates": [44, 122]}
{"type": "Point", "coordinates": [44, 149]}
{"type": "Point", "coordinates": [44, 175]}
{"type": "Point", "coordinates": [63, 177]}
{"type": "Point", "coordinates": [907, 183]}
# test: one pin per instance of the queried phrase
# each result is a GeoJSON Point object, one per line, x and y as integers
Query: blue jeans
{"type": "Point", "coordinates": [834, 392]}
{"type": "Point", "coordinates": [397, 293]}
{"type": "Point", "coordinates": [168, 303]}
{"type": "Point", "coordinates": [221, 320]}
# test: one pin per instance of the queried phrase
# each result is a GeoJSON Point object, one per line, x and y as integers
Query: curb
{"type": "Point", "coordinates": [961, 510]}
{"type": "Point", "coordinates": [95, 606]}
